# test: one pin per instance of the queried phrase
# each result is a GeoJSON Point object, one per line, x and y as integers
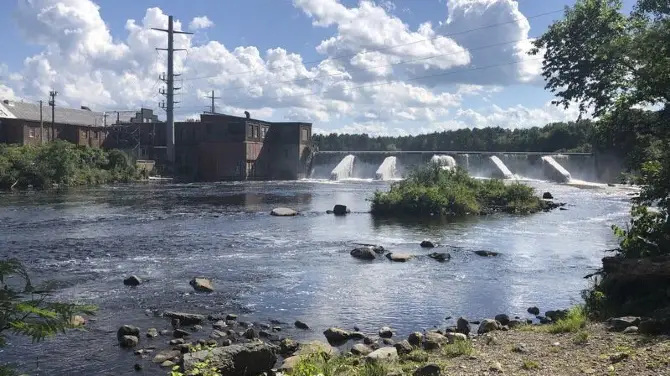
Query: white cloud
{"type": "Point", "coordinates": [200, 23]}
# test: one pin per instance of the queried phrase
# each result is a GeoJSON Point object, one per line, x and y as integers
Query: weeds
{"type": "Point", "coordinates": [582, 338]}
{"type": "Point", "coordinates": [574, 321]}
{"type": "Point", "coordinates": [530, 365]}
{"type": "Point", "coordinates": [457, 348]}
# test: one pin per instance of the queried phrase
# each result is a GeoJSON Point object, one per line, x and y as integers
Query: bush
{"type": "Point", "coordinates": [63, 164]}
{"type": "Point", "coordinates": [432, 191]}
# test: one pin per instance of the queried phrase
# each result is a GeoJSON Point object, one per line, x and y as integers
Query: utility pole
{"type": "Point", "coordinates": [52, 103]}
{"type": "Point", "coordinates": [169, 81]}
{"type": "Point", "coordinates": [41, 124]}
{"type": "Point", "coordinates": [212, 109]}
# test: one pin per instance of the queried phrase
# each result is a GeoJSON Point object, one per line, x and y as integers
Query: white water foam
{"type": "Point", "coordinates": [501, 170]}
{"type": "Point", "coordinates": [447, 162]}
{"type": "Point", "coordinates": [387, 169]}
{"type": "Point", "coordinates": [344, 169]}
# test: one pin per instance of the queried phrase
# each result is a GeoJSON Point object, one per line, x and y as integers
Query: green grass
{"type": "Point", "coordinates": [572, 323]}
{"type": "Point", "coordinates": [530, 365]}
{"type": "Point", "coordinates": [457, 348]}
{"type": "Point", "coordinates": [581, 338]}
{"type": "Point", "coordinates": [431, 191]}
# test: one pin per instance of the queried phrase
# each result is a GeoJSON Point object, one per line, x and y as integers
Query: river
{"type": "Point", "coordinates": [285, 269]}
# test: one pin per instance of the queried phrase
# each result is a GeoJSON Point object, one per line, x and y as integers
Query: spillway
{"type": "Point", "coordinates": [501, 171]}
{"type": "Point", "coordinates": [344, 169]}
{"type": "Point", "coordinates": [447, 162]}
{"type": "Point", "coordinates": [387, 170]}
{"type": "Point", "coordinates": [554, 171]}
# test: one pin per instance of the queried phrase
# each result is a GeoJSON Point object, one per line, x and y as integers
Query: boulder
{"type": "Point", "coordinates": [335, 335]}
{"type": "Point", "coordinates": [152, 333]}
{"type": "Point", "coordinates": [185, 318]}
{"type": "Point", "coordinates": [127, 330]}
{"type": "Point", "coordinates": [534, 311]}
{"type": "Point", "coordinates": [502, 318]}
{"type": "Point", "coordinates": [455, 337]}
{"type": "Point", "coordinates": [235, 360]}
{"type": "Point", "coordinates": [220, 325]}
{"type": "Point", "coordinates": [341, 210]}
{"type": "Point", "coordinates": [360, 349]}
{"type": "Point", "coordinates": [283, 212]}
{"type": "Point", "coordinates": [250, 334]}
{"type": "Point", "coordinates": [301, 325]}
{"type": "Point", "coordinates": [385, 332]}
{"type": "Point", "coordinates": [514, 323]}
{"type": "Point", "coordinates": [547, 196]}
{"type": "Point", "coordinates": [463, 326]}
{"type": "Point", "coordinates": [415, 339]}
{"type": "Point", "coordinates": [487, 253]}
{"type": "Point", "coordinates": [630, 330]}
{"type": "Point", "coordinates": [363, 253]}
{"type": "Point", "coordinates": [166, 355]}
{"type": "Point", "coordinates": [201, 285]}
{"type": "Point", "coordinates": [384, 354]}
{"type": "Point", "coordinates": [133, 280]}
{"type": "Point", "coordinates": [180, 333]}
{"type": "Point", "coordinates": [288, 346]}
{"type": "Point", "coordinates": [129, 341]}
{"type": "Point", "coordinates": [427, 244]}
{"type": "Point", "coordinates": [620, 323]}
{"type": "Point", "coordinates": [651, 326]}
{"type": "Point", "coordinates": [399, 257]}
{"type": "Point", "coordinates": [315, 347]}
{"type": "Point", "coordinates": [357, 335]}
{"type": "Point", "coordinates": [488, 325]}
{"type": "Point", "coordinates": [430, 369]}
{"type": "Point", "coordinates": [403, 347]}
{"type": "Point", "coordinates": [556, 315]}
{"type": "Point", "coordinates": [441, 257]}
{"type": "Point", "coordinates": [368, 341]}
{"type": "Point", "coordinates": [434, 340]}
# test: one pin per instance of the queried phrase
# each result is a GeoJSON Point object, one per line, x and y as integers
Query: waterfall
{"type": "Point", "coordinates": [344, 169]}
{"type": "Point", "coordinates": [501, 171]}
{"type": "Point", "coordinates": [387, 169]}
{"type": "Point", "coordinates": [447, 162]}
{"type": "Point", "coordinates": [554, 171]}
{"type": "Point", "coordinates": [467, 161]}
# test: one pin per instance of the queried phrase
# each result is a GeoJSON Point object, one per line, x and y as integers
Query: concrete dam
{"type": "Point", "coordinates": [560, 168]}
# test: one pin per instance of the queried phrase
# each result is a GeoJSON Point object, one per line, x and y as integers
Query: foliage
{"type": "Point", "coordinates": [573, 322]}
{"type": "Point", "coordinates": [63, 164]}
{"type": "Point", "coordinates": [582, 338]}
{"type": "Point", "coordinates": [432, 191]}
{"type": "Point", "coordinates": [458, 348]}
{"type": "Point", "coordinates": [202, 368]}
{"type": "Point", "coordinates": [325, 365]}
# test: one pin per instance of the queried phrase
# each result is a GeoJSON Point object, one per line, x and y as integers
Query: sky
{"type": "Point", "coordinates": [385, 67]}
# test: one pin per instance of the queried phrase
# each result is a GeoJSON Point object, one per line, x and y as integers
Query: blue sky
{"type": "Point", "coordinates": [86, 50]}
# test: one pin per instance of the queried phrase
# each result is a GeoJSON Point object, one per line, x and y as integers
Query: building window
{"type": "Point", "coordinates": [32, 133]}
{"type": "Point", "coordinates": [96, 135]}
{"type": "Point", "coordinates": [264, 132]}
{"type": "Point", "coordinates": [84, 134]}
{"type": "Point", "coordinates": [250, 133]}
{"type": "Point", "coordinates": [305, 134]}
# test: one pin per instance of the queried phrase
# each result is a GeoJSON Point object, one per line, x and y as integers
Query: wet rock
{"type": "Point", "coordinates": [196, 328]}
{"type": "Point", "coordinates": [200, 284]}
{"type": "Point", "coordinates": [455, 337]}
{"type": "Point", "coordinates": [388, 342]}
{"type": "Point", "coordinates": [133, 280]}
{"type": "Point", "coordinates": [226, 342]}
{"type": "Point", "coordinates": [166, 355]}
{"type": "Point", "coordinates": [341, 210]}
{"type": "Point", "coordinates": [250, 334]}
{"type": "Point", "coordinates": [185, 318]}
{"type": "Point", "coordinates": [137, 367]}
{"type": "Point", "coordinates": [547, 196]}
{"type": "Point", "coordinates": [415, 339]}
{"type": "Point", "coordinates": [488, 325]}
{"type": "Point", "coordinates": [363, 253]}
{"type": "Point", "coordinates": [403, 347]}
{"type": "Point", "coordinates": [399, 257]}
{"type": "Point", "coordinates": [514, 323]}
{"type": "Point", "coordinates": [427, 244]}
{"type": "Point", "coordinates": [128, 330]}
{"type": "Point", "coordinates": [77, 320]}
{"type": "Point", "coordinates": [128, 341]}
{"type": "Point", "coordinates": [357, 335]}
{"type": "Point", "coordinates": [434, 340]}
{"type": "Point", "coordinates": [220, 325]}
{"type": "Point", "coordinates": [368, 341]}
{"type": "Point", "coordinates": [556, 315]}
{"type": "Point", "coordinates": [441, 257]}
{"type": "Point", "coordinates": [487, 253]}
{"type": "Point", "coordinates": [428, 370]}
{"type": "Point", "coordinates": [463, 326]}
{"type": "Point", "coordinates": [534, 311]}
{"type": "Point", "coordinates": [336, 335]}
{"type": "Point", "coordinates": [385, 332]}
{"type": "Point", "coordinates": [216, 334]}
{"type": "Point", "coordinates": [301, 325]}
{"type": "Point", "coordinates": [152, 333]}
{"type": "Point", "coordinates": [360, 349]}
{"type": "Point", "coordinates": [176, 342]}
{"type": "Point", "coordinates": [287, 347]}
{"type": "Point", "coordinates": [544, 320]}
{"type": "Point", "coordinates": [620, 323]}
{"type": "Point", "coordinates": [180, 333]}
{"type": "Point", "coordinates": [502, 319]}
{"type": "Point", "coordinates": [283, 212]}
{"type": "Point", "coordinates": [384, 354]}
{"type": "Point", "coordinates": [231, 317]}
{"type": "Point", "coordinates": [630, 330]}
{"type": "Point", "coordinates": [247, 359]}
{"type": "Point", "coordinates": [164, 332]}
{"type": "Point", "coordinates": [168, 364]}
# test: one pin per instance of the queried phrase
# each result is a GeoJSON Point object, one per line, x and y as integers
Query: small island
{"type": "Point", "coordinates": [438, 192]}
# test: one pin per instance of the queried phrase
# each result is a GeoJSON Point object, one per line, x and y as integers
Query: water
{"type": "Point", "coordinates": [266, 268]}
{"type": "Point", "coordinates": [554, 171]}
{"type": "Point", "coordinates": [501, 170]}
{"type": "Point", "coordinates": [344, 169]}
{"type": "Point", "coordinates": [386, 170]}
{"type": "Point", "coordinates": [444, 161]}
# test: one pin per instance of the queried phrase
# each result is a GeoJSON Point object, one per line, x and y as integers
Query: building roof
{"type": "Point", "coordinates": [31, 111]}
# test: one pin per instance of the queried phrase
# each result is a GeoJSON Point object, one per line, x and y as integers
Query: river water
{"type": "Point", "coordinates": [285, 269]}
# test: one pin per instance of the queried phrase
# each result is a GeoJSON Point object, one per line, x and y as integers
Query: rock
{"type": "Point", "coordinates": [399, 257]}
{"type": "Point", "coordinates": [360, 349]}
{"type": "Point", "coordinates": [520, 348]}
{"type": "Point", "coordinates": [176, 342]}
{"type": "Point", "coordinates": [620, 323]}
{"type": "Point", "coordinates": [385, 332]}
{"type": "Point", "coordinates": [356, 335]}
{"type": "Point", "coordinates": [250, 334]}
{"type": "Point", "coordinates": [152, 333]}
{"type": "Point", "coordinates": [427, 244]}
{"type": "Point", "coordinates": [415, 339]}
{"type": "Point", "coordinates": [220, 325]}
{"type": "Point", "coordinates": [167, 364]}
{"type": "Point", "coordinates": [133, 280]}
{"type": "Point", "coordinates": [137, 367]}
{"type": "Point", "coordinates": [455, 337]}
{"type": "Point", "coordinates": [301, 325]}
{"type": "Point", "coordinates": [514, 323]}
{"type": "Point", "coordinates": [534, 311]}
{"type": "Point", "coordinates": [488, 325]}
{"type": "Point", "coordinates": [487, 253]}
{"type": "Point", "coordinates": [201, 284]}
{"type": "Point", "coordinates": [502, 319]}
{"type": "Point", "coordinates": [276, 328]}
{"type": "Point", "coordinates": [180, 333]}
{"type": "Point", "coordinates": [556, 315]}
{"type": "Point", "coordinates": [128, 341]}
{"type": "Point", "coordinates": [77, 320]}
{"type": "Point", "coordinates": [226, 342]}
{"type": "Point", "coordinates": [166, 355]}
{"type": "Point", "coordinates": [430, 369]}
{"type": "Point", "coordinates": [388, 342]}
{"type": "Point", "coordinates": [384, 354]}
{"type": "Point", "coordinates": [283, 212]}
{"type": "Point", "coordinates": [630, 330]}
{"type": "Point", "coordinates": [544, 320]}
{"type": "Point", "coordinates": [618, 357]}
{"type": "Point", "coordinates": [496, 367]}
{"type": "Point", "coordinates": [434, 340]}
{"type": "Point", "coordinates": [231, 317]}
{"type": "Point", "coordinates": [651, 326]}
{"type": "Point", "coordinates": [316, 347]}
{"type": "Point", "coordinates": [128, 330]}
{"type": "Point", "coordinates": [529, 321]}
{"type": "Point", "coordinates": [245, 359]}
{"type": "Point", "coordinates": [335, 335]}
{"type": "Point", "coordinates": [403, 347]}
{"type": "Point", "coordinates": [216, 334]}
{"type": "Point", "coordinates": [196, 328]}
{"type": "Point", "coordinates": [341, 210]}
{"type": "Point", "coordinates": [368, 341]}
{"type": "Point", "coordinates": [547, 196]}
{"type": "Point", "coordinates": [185, 318]}
{"type": "Point", "coordinates": [441, 257]}
{"type": "Point", "coordinates": [363, 253]}
{"type": "Point", "coordinates": [164, 332]}
{"type": "Point", "coordinates": [463, 326]}
{"type": "Point", "coordinates": [288, 346]}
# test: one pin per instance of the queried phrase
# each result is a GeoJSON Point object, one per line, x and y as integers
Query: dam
{"type": "Point", "coordinates": [382, 165]}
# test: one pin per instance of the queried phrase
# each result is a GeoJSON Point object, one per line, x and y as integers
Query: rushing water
{"type": "Point", "coordinates": [266, 268]}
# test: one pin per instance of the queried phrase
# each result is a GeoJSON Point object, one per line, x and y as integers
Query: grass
{"type": "Point", "coordinates": [432, 191]}
{"type": "Point", "coordinates": [582, 338]}
{"type": "Point", "coordinates": [530, 365]}
{"type": "Point", "coordinates": [458, 348]}
{"type": "Point", "coordinates": [572, 323]}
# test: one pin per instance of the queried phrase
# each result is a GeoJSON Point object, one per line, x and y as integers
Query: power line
{"type": "Point", "coordinates": [386, 48]}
